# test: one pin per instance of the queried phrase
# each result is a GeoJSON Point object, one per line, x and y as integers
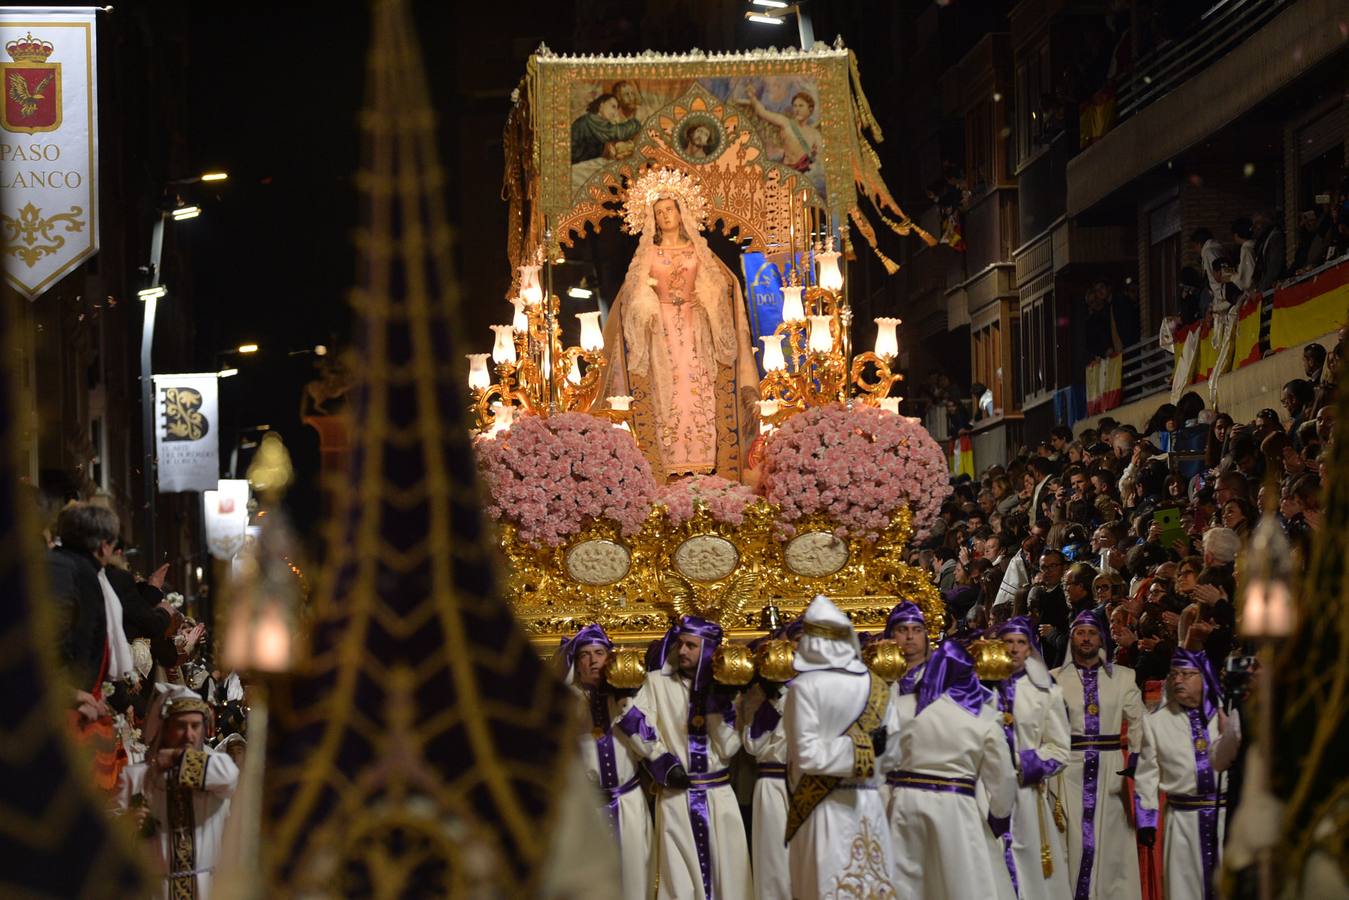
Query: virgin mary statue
{"type": "Point", "coordinates": [677, 337]}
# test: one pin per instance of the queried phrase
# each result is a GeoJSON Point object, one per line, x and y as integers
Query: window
{"type": "Point", "coordinates": [1038, 118]}
{"type": "Point", "coordinates": [1037, 348]}
{"type": "Point", "coordinates": [979, 155]}
{"type": "Point", "coordinates": [989, 352]}
{"type": "Point", "coordinates": [1163, 280]}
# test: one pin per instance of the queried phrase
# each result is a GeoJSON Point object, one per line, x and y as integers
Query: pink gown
{"type": "Point", "coordinates": [688, 435]}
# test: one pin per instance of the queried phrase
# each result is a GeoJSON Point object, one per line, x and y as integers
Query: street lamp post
{"type": "Point", "coordinates": [148, 462]}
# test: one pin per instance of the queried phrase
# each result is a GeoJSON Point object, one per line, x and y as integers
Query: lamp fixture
{"type": "Point", "coordinates": [152, 293]}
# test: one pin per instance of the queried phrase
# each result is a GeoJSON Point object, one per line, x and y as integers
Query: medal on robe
{"type": "Point", "coordinates": [597, 732]}
{"type": "Point", "coordinates": [697, 721]}
{"type": "Point", "coordinates": [1093, 709]}
{"type": "Point", "coordinates": [1200, 744]}
{"type": "Point", "coordinates": [1007, 718]}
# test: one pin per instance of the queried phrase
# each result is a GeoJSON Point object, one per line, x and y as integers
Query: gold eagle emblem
{"type": "Point", "coordinates": [27, 100]}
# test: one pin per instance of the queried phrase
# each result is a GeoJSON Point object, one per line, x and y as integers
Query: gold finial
{"type": "Point", "coordinates": [271, 473]}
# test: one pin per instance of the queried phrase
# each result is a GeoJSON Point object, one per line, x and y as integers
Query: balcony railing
{"type": "Point", "coordinates": [1225, 24]}
{"type": "Point", "coordinates": [1146, 369]}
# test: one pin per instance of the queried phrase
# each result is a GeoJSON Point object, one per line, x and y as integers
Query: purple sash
{"type": "Point", "coordinates": [1006, 704]}
{"type": "Point", "coordinates": [1208, 813]}
{"type": "Point", "coordinates": [697, 792]}
{"type": "Point", "coordinates": [937, 784]}
{"type": "Point", "coordinates": [1091, 773]}
{"type": "Point", "coordinates": [604, 751]}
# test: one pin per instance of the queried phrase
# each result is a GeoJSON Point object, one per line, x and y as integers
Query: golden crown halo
{"type": "Point", "coordinates": [29, 49]}
{"type": "Point", "coordinates": [660, 184]}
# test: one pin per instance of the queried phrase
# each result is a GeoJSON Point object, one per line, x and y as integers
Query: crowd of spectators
{"type": "Point", "coordinates": [1144, 525]}
{"type": "Point", "coordinates": [120, 637]}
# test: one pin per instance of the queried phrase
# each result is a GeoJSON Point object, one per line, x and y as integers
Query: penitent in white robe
{"type": "Point", "coordinates": [944, 849]}
{"type": "Point", "coordinates": [1040, 729]}
{"type": "Point", "coordinates": [1169, 762]}
{"type": "Point", "coordinates": [611, 757]}
{"type": "Point", "coordinates": [664, 704]}
{"type": "Point", "coordinates": [1110, 872]}
{"type": "Point", "coordinates": [210, 808]}
{"type": "Point", "coordinates": [843, 848]}
{"type": "Point", "coordinates": [765, 739]}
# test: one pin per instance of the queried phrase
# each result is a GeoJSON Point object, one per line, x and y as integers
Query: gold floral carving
{"type": "Point", "coordinates": [22, 235]}
{"type": "Point", "coordinates": [639, 606]}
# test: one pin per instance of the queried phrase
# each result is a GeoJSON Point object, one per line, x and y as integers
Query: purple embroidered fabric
{"type": "Point", "coordinates": [1091, 774]}
{"type": "Point", "coordinates": [634, 724]}
{"type": "Point", "coordinates": [697, 794]}
{"type": "Point", "coordinates": [1206, 784]}
{"type": "Point", "coordinates": [604, 751]}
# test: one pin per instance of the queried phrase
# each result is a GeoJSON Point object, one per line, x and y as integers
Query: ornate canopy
{"type": "Point", "coordinates": [777, 139]}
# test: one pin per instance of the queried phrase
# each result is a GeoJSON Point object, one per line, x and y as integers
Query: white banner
{"type": "Point", "coordinates": [226, 511]}
{"type": "Point", "coordinates": [187, 438]}
{"type": "Point", "coordinates": [48, 145]}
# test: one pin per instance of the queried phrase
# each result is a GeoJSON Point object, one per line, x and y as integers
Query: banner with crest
{"type": "Point", "coordinates": [187, 435]}
{"type": "Point", "coordinates": [48, 145]}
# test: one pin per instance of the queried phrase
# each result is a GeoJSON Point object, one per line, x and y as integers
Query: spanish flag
{"type": "Point", "coordinates": [1309, 309]}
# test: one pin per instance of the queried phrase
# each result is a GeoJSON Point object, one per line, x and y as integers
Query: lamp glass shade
{"type": "Point", "coordinates": [520, 321]}
{"type": "Point", "coordinates": [503, 350]}
{"type": "Point", "coordinates": [1268, 610]}
{"type": "Point", "coordinates": [831, 278]}
{"type": "Point", "coordinates": [890, 404]}
{"type": "Point", "coordinates": [792, 308]}
{"type": "Point", "coordinates": [887, 341]}
{"type": "Point", "coordinates": [574, 373]}
{"type": "Point", "coordinates": [503, 415]}
{"type": "Point", "coordinates": [773, 360]}
{"type": "Point", "coordinates": [592, 338]}
{"type": "Point", "coordinates": [821, 340]}
{"type": "Point", "coordinates": [478, 376]}
{"type": "Point", "coordinates": [530, 290]}
{"type": "Point", "coordinates": [620, 403]}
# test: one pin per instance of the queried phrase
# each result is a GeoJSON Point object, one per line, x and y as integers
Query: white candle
{"type": "Point", "coordinates": [792, 309]}
{"type": "Point", "coordinates": [592, 338]}
{"type": "Point", "coordinates": [821, 341]}
{"type": "Point", "coordinates": [773, 360]}
{"type": "Point", "coordinates": [887, 342]}
{"type": "Point", "coordinates": [478, 376]}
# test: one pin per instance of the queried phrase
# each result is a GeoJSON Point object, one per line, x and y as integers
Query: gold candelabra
{"type": "Point", "coordinates": [817, 364]}
{"type": "Point", "coordinates": [534, 371]}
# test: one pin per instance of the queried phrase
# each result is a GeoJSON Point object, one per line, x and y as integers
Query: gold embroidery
{"type": "Point", "coordinates": [812, 789]}
{"type": "Point", "coordinates": [22, 234]}
{"type": "Point", "coordinates": [866, 877]}
{"type": "Point", "coordinates": [182, 835]}
{"type": "Point", "coordinates": [192, 773]}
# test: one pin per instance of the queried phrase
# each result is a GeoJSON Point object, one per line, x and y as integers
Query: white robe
{"type": "Point", "coordinates": [843, 848]}
{"type": "Point", "coordinates": [768, 850]}
{"type": "Point", "coordinates": [634, 820]}
{"type": "Point", "coordinates": [944, 849]}
{"type": "Point", "coordinates": [664, 703]}
{"type": "Point", "coordinates": [1041, 727]}
{"type": "Point", "coordinates": [1167, 763]}
{"type": "Point", "coordinates": [210, 809]}
{"type": "Point", "coordinates": [1113, 869]}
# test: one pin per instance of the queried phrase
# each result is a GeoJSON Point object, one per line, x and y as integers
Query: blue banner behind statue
{"type": "Point", "coordinates": [765, 274]}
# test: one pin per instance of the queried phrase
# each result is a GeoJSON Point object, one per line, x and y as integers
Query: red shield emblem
{"type": "Point", "coordinates": [32, 96]}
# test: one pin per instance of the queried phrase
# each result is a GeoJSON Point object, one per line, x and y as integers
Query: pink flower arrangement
{"type": "Point", "coordinates": [725, 500]}
{"type": "Point", "coordinates": [857, 466]}
{"type": "Point", "coordinates": [550, 476]}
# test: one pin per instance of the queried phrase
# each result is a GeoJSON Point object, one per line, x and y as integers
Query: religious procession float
{"type": "Point", "coordinates": [698, 440]}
